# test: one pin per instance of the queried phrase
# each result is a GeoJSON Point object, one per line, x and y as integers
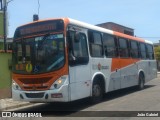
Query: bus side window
{"type": "Point", "coordinates": [123, 48]}
{"type": "Point", "coordinates": [143, 51]}
{"type": "Point", "coordinates": [95, 44]}
{"type": "Point", "coordinates": [134, 49]}
{"type": "Point", "coordinates": [150, 53]}
{"type": "Point", "coordinates": [78, 52]}
{"type": "Point", "coordinates": [110, 47]}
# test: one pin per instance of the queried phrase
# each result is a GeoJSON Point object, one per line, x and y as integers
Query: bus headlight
{"type": "Point", "coordinates": [59, 82]}
{"type": "Point", "coordinates": [15, 85]}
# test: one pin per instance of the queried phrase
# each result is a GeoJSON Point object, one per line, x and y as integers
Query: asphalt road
{"type": "Point", "coordinates": [119, 102]}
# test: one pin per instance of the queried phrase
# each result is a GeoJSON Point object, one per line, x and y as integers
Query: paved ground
{"type": "Point", "coordinates": [8, 103]}
{"type": "Point", "coordinates": [123, 100]}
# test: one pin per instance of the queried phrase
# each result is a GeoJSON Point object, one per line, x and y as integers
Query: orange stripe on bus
{"type": "Point", "coordinates": [128, 36]}
{"type": "Point", "coordinates": [118, 63]}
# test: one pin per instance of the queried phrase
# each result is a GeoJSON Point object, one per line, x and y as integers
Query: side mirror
{"type": "Point", "coordinates": [68, 35]}
{"type": "Point", "coordinates": [71, 57]}
{"type": "Point", "coordinates": [77, 37]}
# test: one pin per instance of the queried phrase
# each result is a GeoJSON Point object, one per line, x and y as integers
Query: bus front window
{"type": "Point", "coordinates": [39, 54]}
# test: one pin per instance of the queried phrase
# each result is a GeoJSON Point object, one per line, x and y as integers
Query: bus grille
{"type": "Point", "coordinates": [35, 83]}
{"type": "Point", "coordinates": [35, 80]}
{"type": "Point", "coordinates": [35, 95]}
{"type": "Point", "coordinates": [35, 88]}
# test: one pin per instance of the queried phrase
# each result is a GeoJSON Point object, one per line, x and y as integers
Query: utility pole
{"type": "Point", "coordinates": [1, 4]}
{"type": "Point", "coordinates": [4, 23]}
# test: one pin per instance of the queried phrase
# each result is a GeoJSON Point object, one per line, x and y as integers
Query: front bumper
{"type": "Point", "coordinates": [56, 95]}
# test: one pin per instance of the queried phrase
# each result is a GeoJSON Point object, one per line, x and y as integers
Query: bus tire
{"type": "Point", "coordinates": [141, 81]}
{"type": "Point", "coordinates": [97, 93]}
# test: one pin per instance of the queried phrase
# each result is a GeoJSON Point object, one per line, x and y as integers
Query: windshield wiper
{"type": "Point", "coordinates": [45, 36]}
{"type": "Point", "coordinates": [43, 40]}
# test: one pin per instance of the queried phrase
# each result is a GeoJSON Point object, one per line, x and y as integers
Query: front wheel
{"type": "Point", "coordinates": [97, 94]}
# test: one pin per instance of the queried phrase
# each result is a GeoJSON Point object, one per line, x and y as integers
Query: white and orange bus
{"type": "Point", "coordinates": [65, 60]}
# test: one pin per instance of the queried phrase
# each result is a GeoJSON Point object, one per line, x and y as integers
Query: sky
{"type": "Point", "coordinates": [141, 15]}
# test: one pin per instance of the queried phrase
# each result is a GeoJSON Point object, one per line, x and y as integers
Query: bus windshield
{"type": "Point", "coordinates": [38, 54]}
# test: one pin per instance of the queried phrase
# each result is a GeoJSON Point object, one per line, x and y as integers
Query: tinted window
{"type": "Point", "coordinates": [150, 53]}
{"type": "Point", "coordinates": [110, 47]}
{"type": "Point", "coordinates": [80, 47]}
{"type": "Point", "coordinates": [134, 49]}
{"type": "Point", "coordinates": [97, 38]}
{"type": "Point", "coordinates": [123, 47]}
{"type": "Point", "coordinates": [95, 44]}
{"type": "Point", "coordinates": [143, 51]}
{"type": "Point", "coordinates": [41, 54]}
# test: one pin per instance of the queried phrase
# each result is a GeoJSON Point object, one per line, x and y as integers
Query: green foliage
{"type": "Point", "coordinates": [157, 52]}
{"type": "Point", "coordinates": [5, 73]}
{"type": "Point", "coordinates": [1, 45]}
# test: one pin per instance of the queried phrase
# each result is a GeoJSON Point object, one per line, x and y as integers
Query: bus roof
{"type": "Point", "coordinates": [93, 27]}
{"type": "Point", "coordinates": [42, 21]}
{"type": "Point", "coordinates": [96, 28]}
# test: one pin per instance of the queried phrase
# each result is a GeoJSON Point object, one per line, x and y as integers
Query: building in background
{"type": "Point", "coordinates": [117, 27]}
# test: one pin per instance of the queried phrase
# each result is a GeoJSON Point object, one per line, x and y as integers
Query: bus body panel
{"type": "Point", "coordinates": [80, 82]}
{"type": "Point", "coordinates": [129, 75]}
{"type": "Point", "coordinates": [32, 96]}
{"type": "Point", "coordinates": [117, 72]}
{"type": "Point", "coordinates": [101, 66]}
{"type": "Point", "coordinates": [149, 69]}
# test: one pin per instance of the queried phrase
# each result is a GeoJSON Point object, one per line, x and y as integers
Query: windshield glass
{"type": "Point", "coordinates": [38, 54]}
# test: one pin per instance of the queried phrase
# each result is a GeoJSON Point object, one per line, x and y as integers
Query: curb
{"type": "Point", "coordinates": [6, 104]}
{"type": "Point", "coordinates": [15, 106]}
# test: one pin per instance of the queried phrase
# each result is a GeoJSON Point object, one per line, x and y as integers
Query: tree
{"type": "Point", "coordinates": [157, 53]}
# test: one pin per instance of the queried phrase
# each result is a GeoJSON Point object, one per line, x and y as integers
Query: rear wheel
{"type": "Point", "coordinates": [141, 81]}
{"type": "Point", "coordinates": [97, 93]}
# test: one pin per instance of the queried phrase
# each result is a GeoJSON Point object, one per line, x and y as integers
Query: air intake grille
{"type": "Point", "coordinates": [35, 80]}
{"type": "Point", "coordinates": [35, 95]}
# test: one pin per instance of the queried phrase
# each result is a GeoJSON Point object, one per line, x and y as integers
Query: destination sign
{"type": "Point", "coordinates": [39, 28]}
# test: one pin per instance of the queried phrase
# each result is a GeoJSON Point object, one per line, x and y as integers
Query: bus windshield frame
{"type": "Point", "coordinates": [39, 51]}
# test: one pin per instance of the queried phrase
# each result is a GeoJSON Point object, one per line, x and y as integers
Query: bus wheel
{"type": "Point", "coordinates": [141, 81]}
{"type": "Point", "coordinates": [97, 94]}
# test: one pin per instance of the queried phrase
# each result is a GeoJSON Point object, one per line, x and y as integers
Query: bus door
{"type": "Point", "coordinates": [79, 69]}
